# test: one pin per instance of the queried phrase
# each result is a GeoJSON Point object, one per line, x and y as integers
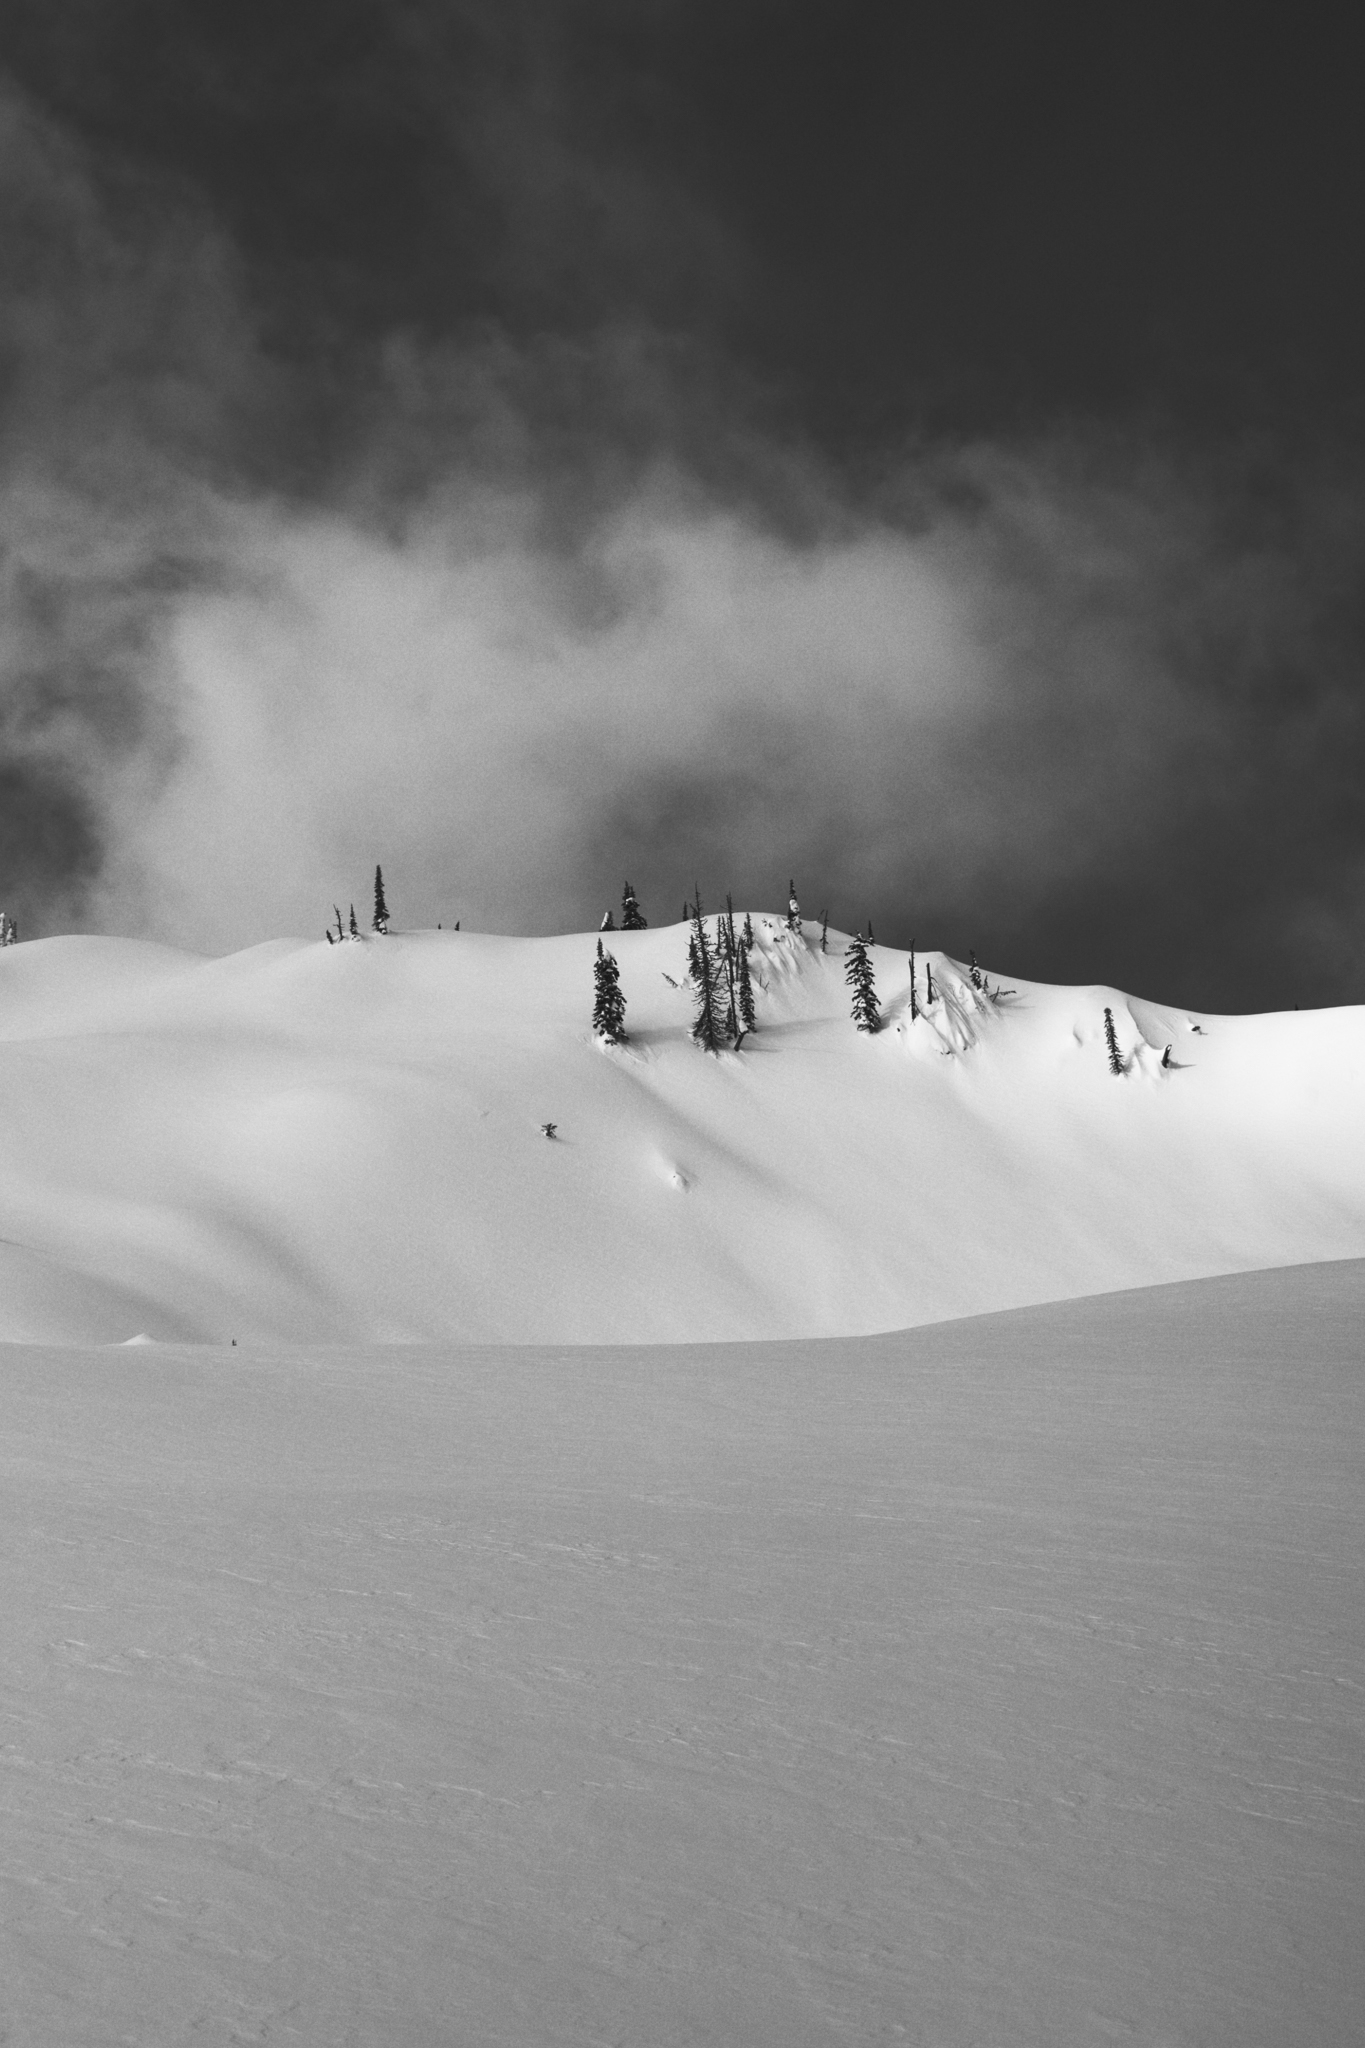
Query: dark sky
{"type": "Point", "coordinates": [530, 444]}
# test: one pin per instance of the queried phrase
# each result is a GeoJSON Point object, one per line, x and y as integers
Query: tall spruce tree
{"type": "Point", "coordinates": [914, 992]}
{"type": "Point", "coordinates": [1111, 1039]}
{"type": "Point", "coordinates": [381, 908]}
{"type": "Point", "coordinates": [748, 933]}
{"type": "Point", "coordinates": [729, 944]}
{"type": "Point", "coordinates": [859, 976]}
{"type": "Point", "coordinates": [744, 989]}
{"type": "Point", "coordinates": [632, 917]}
{"type": "Point", "coordinates": [708, 1026]}
{"type": "Point", "coordinates": [793, 909]}
{"type": "Point", "coordinates": [355, 928]}
{"type": "Point", "coordinates": [609, 1005]}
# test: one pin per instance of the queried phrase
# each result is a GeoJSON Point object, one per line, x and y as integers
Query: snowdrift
{"type": "Point", "coordinates": [309, 1143]}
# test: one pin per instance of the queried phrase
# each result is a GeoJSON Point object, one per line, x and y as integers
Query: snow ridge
{"type": "Point", "coordinates": [316, 1143]}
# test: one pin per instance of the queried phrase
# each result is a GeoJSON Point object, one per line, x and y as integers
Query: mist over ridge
{"type": "Point", "coordinates": [547, 577]}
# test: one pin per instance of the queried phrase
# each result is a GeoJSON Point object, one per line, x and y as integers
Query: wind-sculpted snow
{"type": "Point", "coordinates": [998, 1683]}
{"type": "Point", "coordinates": [345, 1143]}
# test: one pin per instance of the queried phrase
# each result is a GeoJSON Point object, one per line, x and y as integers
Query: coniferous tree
{"type": "Point", "coordinates": [975, 973]}
{"type": "Point", "coordinates": [914, 992]}
{"type": "Point", "coordinates": [748, 931]}
{"type": "Point", "coordinates": [632, 917]}
{"type": "Point", "coordinates": [1111, 1039]}
{"type": "Point", "coordinates": [824, 931]}
{"type": "Point", "coordinates": [608, 923]}
{"type": "Point", "coordinates": [381, 908]}
{"type": "Point", "coordinates": [931, 996]}
{"type": "Point", "coordinates": [859, 976]}
{"type": "Point", "coordinates": [744, 989]}
{"type": "Point", "coordinates": [708, 1026]}
{"type": "Point", "coordinates": [341, 929]}
{"type": "Point", "coordinates": [793, 909]}
{"type": "Point", "coordinates": [609, 1005]}
{"type": "Point", "coordinates": [355, 928]}
{"type": "Point", "coordinates": [732, 950]}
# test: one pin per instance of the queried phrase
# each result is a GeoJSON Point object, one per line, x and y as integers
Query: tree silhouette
{"type": "Point", "coordinates": [860, 978]}
{"type": "Point", "coordinates": [609, 1005]}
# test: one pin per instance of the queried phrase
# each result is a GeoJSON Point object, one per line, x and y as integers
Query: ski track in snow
{"type": "Point", "coordinates": [999, 1682]}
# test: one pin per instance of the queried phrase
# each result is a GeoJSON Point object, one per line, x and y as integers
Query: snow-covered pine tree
{"type": "Point", "coordinates": [633, 918]}
{"type": "Point", "coordinates": [748, 933]}
{"type": "Point", "coordinates": [708, 1026]}
{"type": "Point", "coordinates": [793, 909]}
{"type": "Point", "coordinates": [975, 973]}
{"type": "Point", "coordinates": [914, 992]}
{"type": "Point", "coordinates": [609, 1005]}
{"type": "Point", "coordinates": [355, 928]}
{"type": "Point", "coordinates": [381, 908]}
{"type": "Point", "coordinates": [1111, 1039]}
{"type": "Point", "coordinates": [744, 990]}
{"type": "Point", "coordinates": [608, 923]}
{"type": "Point", "coordinates": [859, 976]}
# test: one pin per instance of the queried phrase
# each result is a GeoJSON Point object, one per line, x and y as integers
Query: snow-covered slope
{"type": "Point", "coordinates": [995, 1683]}
{"type": "Point", "coordinates": [317, 1142]}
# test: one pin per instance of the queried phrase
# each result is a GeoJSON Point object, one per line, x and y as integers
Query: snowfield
{"type": "Point", "coordinates": [999, 1683]}
{"type": "Point", "coordinates": [318, 1143]}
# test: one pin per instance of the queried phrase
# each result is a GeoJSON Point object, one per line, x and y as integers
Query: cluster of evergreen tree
{"type": "Point", "coordinates": [351, 930]}
{"type": "Point", "coordinates": [632, 917]}
{"type": "Point", "coordinates": [718, 968]}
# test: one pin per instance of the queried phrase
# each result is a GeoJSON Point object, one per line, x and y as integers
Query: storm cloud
{"type": "Point", "coordinates": [526, 579]}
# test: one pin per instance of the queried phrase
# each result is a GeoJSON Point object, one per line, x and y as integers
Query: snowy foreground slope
{"type": "Point", "coordinates": [343, 1144]}
{"type": "Point", "coordinates": [997, 1684]}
